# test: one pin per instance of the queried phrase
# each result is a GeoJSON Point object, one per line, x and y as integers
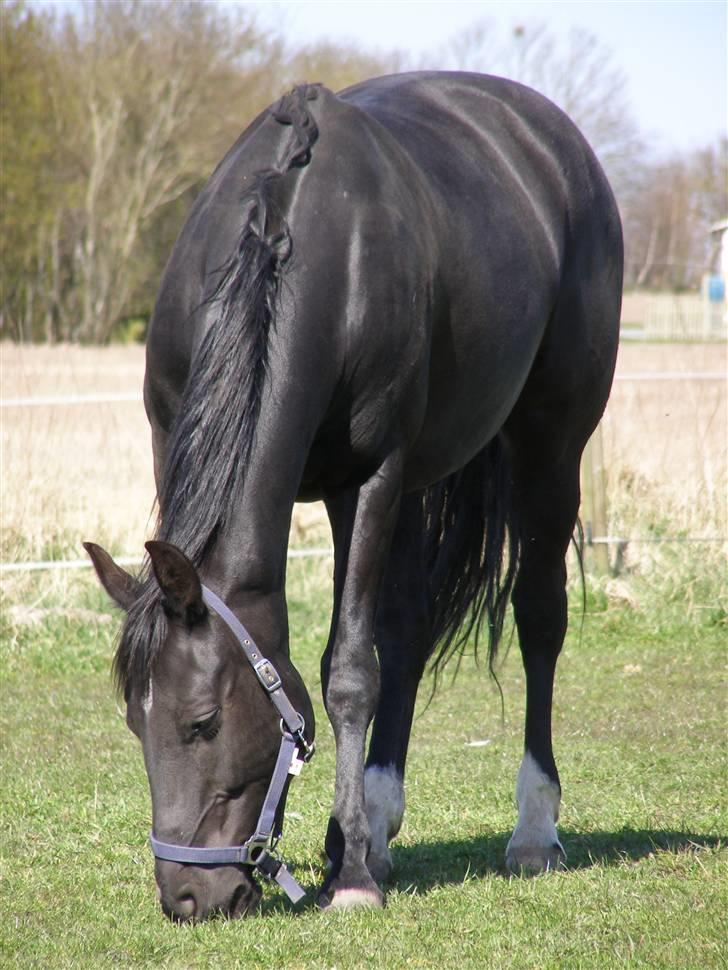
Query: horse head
{"type": "Point", "coordinates": [213, 727]}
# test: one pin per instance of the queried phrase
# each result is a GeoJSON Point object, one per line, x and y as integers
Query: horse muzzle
{"type": "Point", "coordinates": [196, 894]}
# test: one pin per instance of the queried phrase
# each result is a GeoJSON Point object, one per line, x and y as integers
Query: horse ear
{"type": "Point", "coordinates": [119, 584]}
{"type": "Point", "coordinates": [178, 580]}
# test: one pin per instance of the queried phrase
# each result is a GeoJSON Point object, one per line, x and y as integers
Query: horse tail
{"type": "Point", "coordinates": [212, 439]}
{"type": "Point", "coordinates": [471, 554]}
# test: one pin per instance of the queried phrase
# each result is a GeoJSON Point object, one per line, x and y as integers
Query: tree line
{"type": "Point", "coordinates": [111, 120]}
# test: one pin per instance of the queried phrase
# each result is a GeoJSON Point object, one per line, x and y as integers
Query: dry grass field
{"type": "Point", "coordinates": [77, 471]}
{"type": "Point", "coordinates": [73, 471]}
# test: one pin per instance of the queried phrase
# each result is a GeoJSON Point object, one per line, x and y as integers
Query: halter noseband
{"type": "Point", "coordinates": [293, 753]}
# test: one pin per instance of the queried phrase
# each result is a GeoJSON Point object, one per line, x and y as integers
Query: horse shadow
{"type": "Point", "coordinates": [427, 865]}
{"type": "Point", "coordinates": [424, 866]}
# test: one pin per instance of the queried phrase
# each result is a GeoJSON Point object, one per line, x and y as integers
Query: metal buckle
{"type": "Point", "coordinates": [267, 675]}
{"type": "Point", "coordinates": [308, 749]}
{"type": "Point", "coordinates": [300, 737]}
{"type": "Point", "coordinates": [257, 848]}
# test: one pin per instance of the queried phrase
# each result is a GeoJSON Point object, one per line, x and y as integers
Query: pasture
{"type": "Point", "coordinates": [639, 721]}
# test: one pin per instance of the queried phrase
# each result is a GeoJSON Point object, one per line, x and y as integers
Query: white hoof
{"type": "Point", "coordinates": [354, 899]}
{"type": "Point", "coordinates": [524, 860]}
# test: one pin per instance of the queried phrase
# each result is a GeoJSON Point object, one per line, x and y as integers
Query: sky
{"type": "Point", "coordinates": [672, 52]}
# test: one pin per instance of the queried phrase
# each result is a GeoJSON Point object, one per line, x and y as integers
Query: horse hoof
{"type": "Point", "coordinates": [351, 899]}
{"type": "Point", "coordinates": [530, 860]}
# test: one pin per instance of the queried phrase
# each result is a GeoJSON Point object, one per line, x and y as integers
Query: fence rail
{"type": "Point", "coordinates": [593, 483]}
{"type": "Point", "coordinates": [673, 316]}
{"type": "Point", "coordinates": [108, 398]}
{"type": "Point", "coordinates": [50, 564]}
{"type": "Point", "coordinates": [134, 396]}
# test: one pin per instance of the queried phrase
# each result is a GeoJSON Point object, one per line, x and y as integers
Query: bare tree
{"type": "Point", "coordinates": [119, 111]}
{"type": "Point", "coordinates": [576, 72]}
{"type": "Point", "coordinates": [150, 90]}
{"type": "Point", "coordinates": [336, 66]}
{"type": "Point", "coordinates": [667, 216]}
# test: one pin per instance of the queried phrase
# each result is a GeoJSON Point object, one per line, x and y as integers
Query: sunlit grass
{"type": "Point", "coordinates": [639, 729]}
{"type": "Point", "coordinates": [639, 726]}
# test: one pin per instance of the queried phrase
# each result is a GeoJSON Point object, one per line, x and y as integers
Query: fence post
{"type": "Point", "coordinates": [594, 504]}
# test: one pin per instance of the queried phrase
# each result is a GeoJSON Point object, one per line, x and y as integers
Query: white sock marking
{"type": "Point", "coordinates": [535, 835]}
{"type": "Point", "coordinates": [384, 797]}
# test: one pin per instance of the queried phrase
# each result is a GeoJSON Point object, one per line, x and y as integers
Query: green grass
{"type": "Point", "coordinates": [640, 740]}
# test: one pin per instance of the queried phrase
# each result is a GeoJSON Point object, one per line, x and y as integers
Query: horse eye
{"type": "Point", "coordinates": [206, 727]}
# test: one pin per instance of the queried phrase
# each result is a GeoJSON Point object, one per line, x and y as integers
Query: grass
{"type": "Point", "coordinates": [639, 721]}
{"type": "Point", "coordinates": [640, 739]}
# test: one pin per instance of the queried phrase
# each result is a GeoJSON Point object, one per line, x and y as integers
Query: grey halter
{"type": "Point", "coordinates": [293, 753]}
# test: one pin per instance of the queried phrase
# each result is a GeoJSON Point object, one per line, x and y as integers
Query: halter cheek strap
{"type": "Point", "coordinates": [293, 753]}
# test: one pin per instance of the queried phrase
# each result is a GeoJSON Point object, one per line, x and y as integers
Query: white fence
{"type": "Point", "coordinates": [673, 316]}
{"type": "Point", "coordinates": [594, 508]}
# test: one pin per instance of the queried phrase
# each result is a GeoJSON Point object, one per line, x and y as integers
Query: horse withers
{"type": "Point", "coordinates": [404, 300]}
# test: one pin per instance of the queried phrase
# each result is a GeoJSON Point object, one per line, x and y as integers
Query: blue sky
{"type": "Point", "coordinates": [672, 53]}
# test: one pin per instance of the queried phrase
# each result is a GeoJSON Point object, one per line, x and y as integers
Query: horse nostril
{"type": "Point", "coordinates": [183, 908]}
{"type": "Point", "coordinates": [186, 906]}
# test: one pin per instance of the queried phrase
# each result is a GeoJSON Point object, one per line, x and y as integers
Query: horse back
{"type": "Point", "coordinates": [434, 231]}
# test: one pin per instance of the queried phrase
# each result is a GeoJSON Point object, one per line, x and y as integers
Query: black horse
{"type": "Point", "coordinates": [402, 299]}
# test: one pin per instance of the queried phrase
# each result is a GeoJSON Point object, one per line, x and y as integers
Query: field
{"type": "Point", "coordinates": [639, 721]}
{"type": "Point", "coordinates": [83, 471]}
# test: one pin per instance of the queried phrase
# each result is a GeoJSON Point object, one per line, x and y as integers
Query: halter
{"type": "Point", "coordinates": [293, 753]}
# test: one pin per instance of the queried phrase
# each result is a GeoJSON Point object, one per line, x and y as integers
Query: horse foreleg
{"type": "Point", "coordinates": [363, 521]}
{"type": "Point", "coordinates": [403, 638]}
{"type": "Point", "coordinates": [547, 500]}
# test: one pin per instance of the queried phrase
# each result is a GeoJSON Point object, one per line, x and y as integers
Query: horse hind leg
{"type": "Point", "coordinates": [402, 637]}
{"type": "Point", "coordinates": [546, 505]}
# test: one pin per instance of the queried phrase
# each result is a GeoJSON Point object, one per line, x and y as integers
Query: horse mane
{"type": "Point", "coordinates": [212, 438]}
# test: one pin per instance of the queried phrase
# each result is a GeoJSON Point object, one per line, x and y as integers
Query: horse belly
{"type": "Point", "coordinates": [448, 442]}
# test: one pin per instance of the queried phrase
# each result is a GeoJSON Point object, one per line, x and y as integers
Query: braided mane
{"type": "Point", "coordinates": [212, 439]}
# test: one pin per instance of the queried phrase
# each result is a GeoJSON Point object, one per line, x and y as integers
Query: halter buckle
{"type": "Point", "coordinates": [257, 848]}
{"type": "Point", "coordinates": [267, 675]}
{"type": "Point", "coordinates": [306, 748]}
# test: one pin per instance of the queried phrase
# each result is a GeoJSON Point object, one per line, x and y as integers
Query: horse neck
{"type": "Point", "coordinates": [247, 568]}
{"type": "Point", "coordinates": [246, 565]}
